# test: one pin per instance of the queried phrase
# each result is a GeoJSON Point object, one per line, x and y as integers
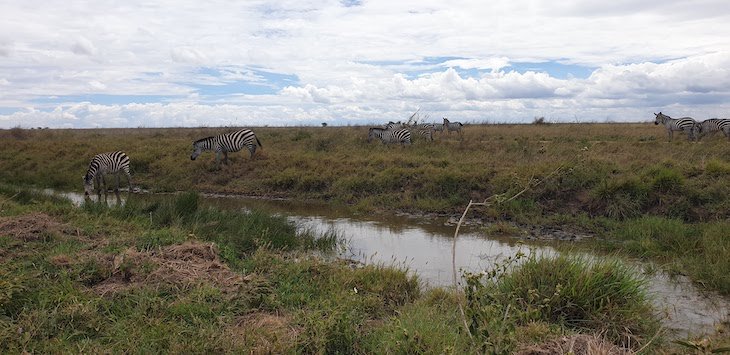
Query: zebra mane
{"type": "Point", "coordinates": [201, 140]}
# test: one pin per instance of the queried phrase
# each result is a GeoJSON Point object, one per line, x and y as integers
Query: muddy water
{"type": "Point", "coordinates": [423, 246]}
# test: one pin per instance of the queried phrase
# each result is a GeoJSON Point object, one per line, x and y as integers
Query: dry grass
{"type": "Point", "coordinates": [183, 265]}
{"type": "Point", "coordinates": [579, 344]}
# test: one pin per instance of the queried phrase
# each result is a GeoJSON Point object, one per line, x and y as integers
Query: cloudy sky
{"type": "Point", "coordinates": [179, 63]}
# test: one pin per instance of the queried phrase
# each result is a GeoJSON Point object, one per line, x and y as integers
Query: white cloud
{"type": "Point", "coordinates": [362, 60]}
{"type": "Point", "coordinates": [83, 46]}
{"type": "Point", "coordinates": [187, 55]}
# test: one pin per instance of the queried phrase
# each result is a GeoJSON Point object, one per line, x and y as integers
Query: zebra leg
{"type": "Point", "coordinates": [116, 188]}
{"type": "Point", "coordinates": [252, 150]}
{"type": "Point", "coordinates": [103, 183]}
{"type": "Point", "coordinates": [129, 182]}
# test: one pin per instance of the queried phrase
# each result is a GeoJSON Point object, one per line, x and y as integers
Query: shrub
{"type": "Point", "coordinates": [619, 199]}
{"type": "Point", "coordinates": [666, 180]}
{"type": "Point", "coordinates": [594, 296]}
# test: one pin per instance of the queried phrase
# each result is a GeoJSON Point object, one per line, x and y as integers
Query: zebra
{"type": "Point", "coordinates": [452, 126]}
{"type": "Point", "coordinates": [394, 125]}
{"type": "Point", "coordinates": [425, 133]}
{"type": "Point", "coordinates": [402, 136]}
{"type": "Point", "coordinates": [676, 124]}
{"type": "Point", "coordinates": [710, 126]}
{"type": "Point", "coordinates": [438, 128]}
{"type": "Point", "coordinates": [102, 164]}
{"type": "Point", "coordinates": [426, 130]}
{"type": "Point", "coordinates": [226, 143]}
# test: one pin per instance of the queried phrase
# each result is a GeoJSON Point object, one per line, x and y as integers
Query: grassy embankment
{"type": "Point", "coordinates": [641, 195]}
{"type": "Point", "coordinates": [177, 276]}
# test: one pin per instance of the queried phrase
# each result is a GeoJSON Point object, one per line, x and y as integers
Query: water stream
{"type": "Point", "coordinates": [423, 246]}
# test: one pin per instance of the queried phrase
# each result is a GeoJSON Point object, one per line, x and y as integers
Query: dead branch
{"type": "Point", "coordinates": [490, 201]}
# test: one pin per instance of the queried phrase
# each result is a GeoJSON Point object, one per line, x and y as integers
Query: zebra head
{"type": "Point", "coordinates": [198, 147]}
{"type": "Point", "coordinates": [660, 118]}
{"type": "Point", "coordinates": [697, 130]}
{"type": "Point", "coordinates": [372, 133]}
{"type": "Point", "coordinates": [88, 184]}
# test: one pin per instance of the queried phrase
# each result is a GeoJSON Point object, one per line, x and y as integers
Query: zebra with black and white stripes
{"type": "Point", "coordinates": [449, 126]}
{"type": "Point", "coordinates": [711, 125]}
{"type": "Point", "coordinates": [426, 130]}
{"type": "Point", "coordinates": [104, 164]}
{"type": "Point", "coordinates": [685, 124]}
{"type": "Point", "coordinates": [394, 125]}
{"type": "Point", "coordinates": [226, 143]}
{"type": "Point", "coordinates": [402, 136]}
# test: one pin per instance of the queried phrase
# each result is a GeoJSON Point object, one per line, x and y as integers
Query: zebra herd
{"type": "Point", "coordinates": [396, 132]}
{"type": "Point", "coordinates": [118, 162]}
{"type": "Point", "coordinates": [694, 130]}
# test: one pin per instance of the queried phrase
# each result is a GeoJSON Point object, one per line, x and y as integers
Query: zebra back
{"type": "Point", "coordinates": [107, 163]}
{"type": "Point", "coordinates": [402, 136]}
{"type": "Point", "coordinates": [233, 142]}
{"type": "Point", "coordinates": [710, 126]}
{"type": "Point", "coordinates": [227, 143]}
{"type": "Point", "coordinates": [675, 124]}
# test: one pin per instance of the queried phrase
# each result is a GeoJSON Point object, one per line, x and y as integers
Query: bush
{"type": "Point", "coordinates": [667, 180]}
{"type": "Point", "coordinates": [596, 297]}
{"type": "Point", "coordinates": [619, 199]}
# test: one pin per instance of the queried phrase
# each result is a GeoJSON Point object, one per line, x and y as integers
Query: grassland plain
{"type": "Point", "coordinates": [174, 276]}
{"type": "Point", "coordinates": [625, 183]}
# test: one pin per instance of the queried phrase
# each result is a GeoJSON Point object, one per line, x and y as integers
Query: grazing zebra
{"type": "Point", "coordinates": [438, 128]}
{"type": "Point", "coordinates": [676, 124]}
{"type": "Point", "coordinates": [426, 130]}
{"type": "Point", "coordinates": [452, 126]}
{"type": "Point", "coordinates": [226, 143]}
{"type": "Point", "coordinates": [102, 164]}
{"type": "Point", "coordinates": [425, 133]}
{"type": "Point", "coordinates": [402, 136]}
{"type": "Point", "coordinates": [710, 126]}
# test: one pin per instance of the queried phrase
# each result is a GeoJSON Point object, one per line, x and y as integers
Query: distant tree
{"type": "Point", "coordinates": [324, 124]}
{"type": "Point", "coordinates": [540, 120]}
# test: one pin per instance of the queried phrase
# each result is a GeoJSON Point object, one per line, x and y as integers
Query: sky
{"type": "Point", "coordinates": [180, 63]}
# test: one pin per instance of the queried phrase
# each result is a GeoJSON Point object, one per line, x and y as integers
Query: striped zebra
{"type": "Point", "coordinates": [426, 130]}
{"type": "Point", "coordinates": [438, 128]}
{"type": "Point", "coordinates": [711, 125]}
{"type": "Point", "coordinates": [103, 164]}
{"type": "Point", "coordinates": [226, 143]}
{"type": "Point", "coordinates": [394, 125]}
{"type": "Point", "coordinates": [685, 124]}
{"type": "Point", "coordinates": [402, 136]}
{"type": "Point", "coordinates": [452, 126]}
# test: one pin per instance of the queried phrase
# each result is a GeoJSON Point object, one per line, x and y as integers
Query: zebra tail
{"type": "Point", "coordinates": [259, 142]}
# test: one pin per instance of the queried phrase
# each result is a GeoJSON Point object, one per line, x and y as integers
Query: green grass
{"type": "Point", "coordinates": [56, 295]}
{"type": "Point", "coordinates": [639, 194]}
{"type": "Point", "coordinates": [589, 296]}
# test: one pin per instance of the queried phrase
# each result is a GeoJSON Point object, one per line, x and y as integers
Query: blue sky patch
{"type": "Point", "coordinates": [554, 69]}
{"type": "Point", "coordinates": [236, 81]}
